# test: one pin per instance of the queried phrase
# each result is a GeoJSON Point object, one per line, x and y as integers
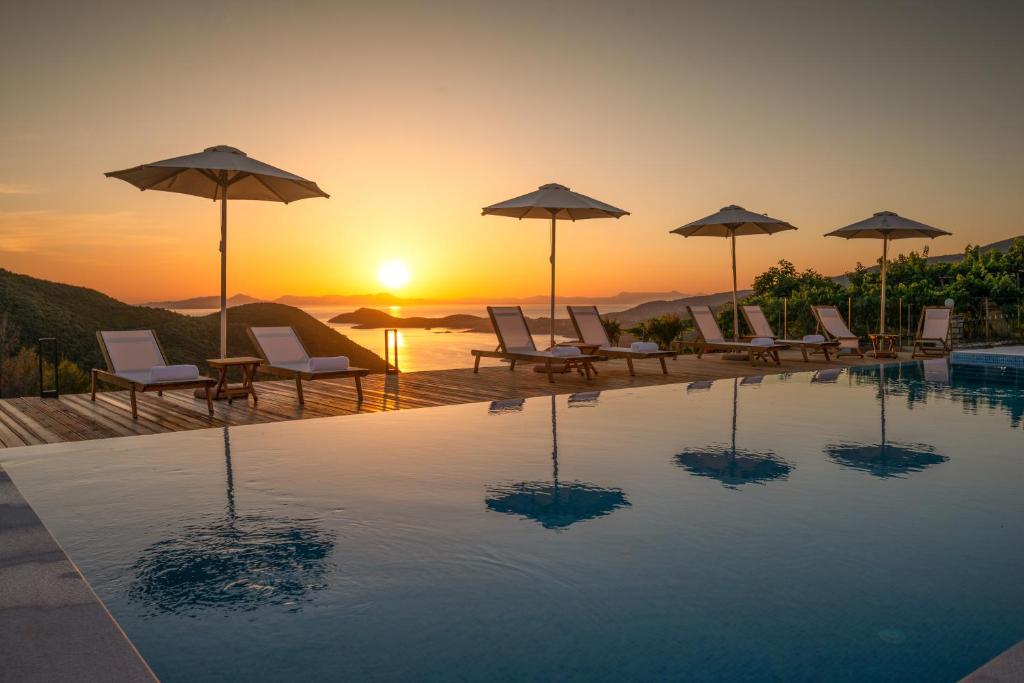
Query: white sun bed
{"type": "Point", "coordinates": [591, 332]}
{"type": "Point", "coordinates": [831, 322]}
{"type": "Point", "coordinates": [285, 356]}
{"type": "Point", "coordinates": [759, 325]}
{"type": "Point", "coordinates": [136, 361]}
{"type": "Point", "coordinates": [515, 343]}
{"type": "Point", "coordinates": [712, 339]}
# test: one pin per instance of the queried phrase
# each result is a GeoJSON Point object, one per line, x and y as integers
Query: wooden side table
{"type": "Point", "coordinates": [223, 390]}
{"type": "Point", "coordinates": [883, 345]}
{"type": "Point", "coordinates": [570, 363]}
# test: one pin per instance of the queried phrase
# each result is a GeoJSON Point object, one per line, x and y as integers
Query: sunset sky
{"type": "Point", "coordinates": [415, 115]}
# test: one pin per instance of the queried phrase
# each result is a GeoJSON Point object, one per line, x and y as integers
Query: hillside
{"type": "Point", "coordinates": [370, 319]}
{"type": "Point", "coordinates": [204, 302]}
{"type": "Point", "coordinates": [40, 308]}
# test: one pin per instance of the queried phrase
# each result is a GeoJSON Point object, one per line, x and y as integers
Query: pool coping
{"type": "Point", "coordinates": [52, 625]}
{"type": "Point", "coordinates": [1006, 668]}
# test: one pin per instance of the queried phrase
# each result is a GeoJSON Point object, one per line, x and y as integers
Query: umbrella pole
{"type": "Point", "coordinates": [224, 274]}
{"type": "Point", "coordinates": [554, 442]}
{"type": "Point", "coordinates": [735, 306]}
{"type": "Point", "coordinates": [885, 258]}
{"type": "Point", "coordinates": [552, 281]}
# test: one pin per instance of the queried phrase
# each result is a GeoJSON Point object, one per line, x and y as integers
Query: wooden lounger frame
{"type": "Point", "coordinates": [110, 377]}
{"type": "Point", "coordinates": [628, 354]}
{"type": "Point", "coordinates": [579, 362]}
{"type": "Point", "coordinates": [356, 373]}
{"type": "Point", "coordinates": [919, 342]}
{"type": "Point", "coordinates": [821, 328]}
{"type": "Point", "coordinates": [753, 352]}
{"type": "Point", "coordinates": [818, 347]}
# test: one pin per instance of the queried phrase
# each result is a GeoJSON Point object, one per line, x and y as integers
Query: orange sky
{"type": "Point", "coordinates": [414, 116]}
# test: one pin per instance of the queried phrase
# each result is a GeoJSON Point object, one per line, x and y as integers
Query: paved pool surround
{"type": "Point", "coordinates": [52, 625]}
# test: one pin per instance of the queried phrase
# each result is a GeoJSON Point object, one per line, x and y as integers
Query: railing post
{"type": "Point", "coordinates": [985, 304]}
{"type": "Point", "coordinates": [390, 344]}
{"type": "Point", "coordinates": [43, 391]}
{"type": "Point", "coordinates": [899, 329]}
{"type": "Point", "coordinates": [785, 317]}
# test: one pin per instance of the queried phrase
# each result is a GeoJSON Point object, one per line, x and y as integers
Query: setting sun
{"type": "Point", "coordinates": [394, 274]}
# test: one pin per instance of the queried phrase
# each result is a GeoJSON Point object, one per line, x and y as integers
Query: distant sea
{"type": "Point", "coordinates": [435, 349]}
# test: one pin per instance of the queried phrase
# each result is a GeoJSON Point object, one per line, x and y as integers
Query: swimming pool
{"type": "Point", "coordinates": [816, 526]}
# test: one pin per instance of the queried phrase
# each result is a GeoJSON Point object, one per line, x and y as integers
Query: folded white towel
{"type": "Point", "coordinates": [762, 341]}
{"type": "Point", "coordinates": [814, 339]}
{"type": "Point", "coordinates": [173, 373]}
{"type": "Point", "coordinates": [328, 364]}
{"type": "Point", "coordinates": [566, 351]}
{"type": "Point", "coordinates": [644, 347]}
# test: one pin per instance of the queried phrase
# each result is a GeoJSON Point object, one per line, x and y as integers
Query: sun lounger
{"type": "Point", "coordinates": [591, 332]}
{"type": "Point", "coordinates": [285, 356]}
{"type": "Point", "coordinates": [831, 322]}
{"type": "Point", "coordinates": [516, 344]}
{"type": "Point", "coordinates": [932, 338]}
{"type": "Point", "coordinates": [136, 361]}
{"type": "Point", "coordinates": [758, 323]}
{"type": "Point", "coordinates": [712, 339]}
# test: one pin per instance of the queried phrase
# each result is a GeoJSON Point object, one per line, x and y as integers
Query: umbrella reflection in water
{"type": "Point", "coordinates": [884, 459]}
{"type": "Point", "coordinates": [730, 465]}
{"type": "Point", "coordinates": [235, 562]}
{"type": "Point", "coordinates": [555, 504]}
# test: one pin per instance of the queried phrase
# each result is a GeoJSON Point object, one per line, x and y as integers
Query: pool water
{"type": "Point", "coordinates": [815, 526]}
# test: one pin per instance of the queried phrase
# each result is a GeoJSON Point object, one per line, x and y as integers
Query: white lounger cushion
{"type": "Point", "coordinates": [644, 347]}
{"type": "Point", "coordinates": [814, 339]}
{"type": "Point", "coordinates": [173, 373]}
{"type": "Point", "coordinates": [328, 364]}
{"type": "Point", "coordinates": [762, 341]}
{"type": "Point", "coordinates": [566, 351]}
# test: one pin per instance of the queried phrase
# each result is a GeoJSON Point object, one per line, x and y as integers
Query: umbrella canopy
{"type": "Point", "coordinates": [555, 504]}
{"type": "Point", "coordinates": [554, 202]}
{"type": "Point", "coordinates": [223, 173]}
{"type": "Point", "coordinates": [732, 221]}
{"type": "Point", "coordinates": [731, 465]}
{"type": "Point", "coordinates": [885, 226]}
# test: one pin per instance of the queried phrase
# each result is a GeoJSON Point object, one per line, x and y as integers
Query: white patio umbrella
{"type": "Point", "coordinates": [730, 222]}
{"type": "Point", "coordinates": [886, 225]}
{"type": "Point", "coordinates": [554, 201]}
{"type": "Point", "coordinates": [222, 173]}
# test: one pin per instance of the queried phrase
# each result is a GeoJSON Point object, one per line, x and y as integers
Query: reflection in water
{"type": "Point", "coordinates": [976, 387]}
{"type": "Point", "coordinates": [884, 459]}
{"type": "Point", "coordinates": [234, 562]}
{"type": "Point", "coordinates": [555, 504]}
{"type": "Point", "coordinates": [731, 466]}
{"type": "Point", "coordinates": [509, 405]}
{"type": "Point", "coordinates": [826, 376]}
{"type": "Point", "coordinates": [584, 399]}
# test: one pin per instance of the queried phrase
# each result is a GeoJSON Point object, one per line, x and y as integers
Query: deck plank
{"type": "Point", "coordinates": [32, 421]}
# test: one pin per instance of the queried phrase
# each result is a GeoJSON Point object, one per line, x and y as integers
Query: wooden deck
{"type": "Point", "coordinates": [32, 421]}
